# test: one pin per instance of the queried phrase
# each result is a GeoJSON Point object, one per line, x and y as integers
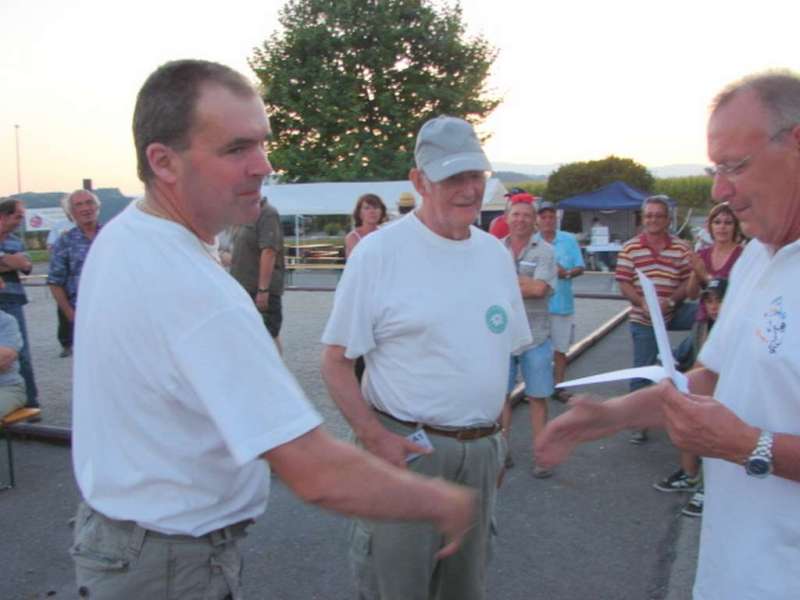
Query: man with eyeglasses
{"type": "Point", "coordinates": [433, 305]}
{"type": "Point", "coordinates": [743, 413]}
{"type": "Point", "coordinates": [664, 258]}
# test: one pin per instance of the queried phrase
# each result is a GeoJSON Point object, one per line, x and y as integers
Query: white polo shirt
{"type": "Point", "coordinates": [750, 541]}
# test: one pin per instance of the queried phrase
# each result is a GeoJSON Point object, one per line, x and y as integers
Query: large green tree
{"type": "Point", "coordinates": [348, 83]}
{"type": "Point", "coordinates": [581, 177]}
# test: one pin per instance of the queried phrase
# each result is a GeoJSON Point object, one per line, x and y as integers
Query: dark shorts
{"type": "Point", "coordinates": [273, 317]}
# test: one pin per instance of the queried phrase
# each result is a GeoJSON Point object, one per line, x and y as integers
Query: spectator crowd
{"type": "Point", "coordinates": [179, 383]}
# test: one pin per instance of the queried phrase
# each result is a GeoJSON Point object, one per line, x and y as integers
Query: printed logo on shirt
{"type": "Point", "coordinates": [774, 327]}
{"type": "Point", "coordinates": [496, 319]}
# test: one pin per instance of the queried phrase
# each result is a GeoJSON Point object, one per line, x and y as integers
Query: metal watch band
{"type": "Point", "coordinates": [759, 463]}
{"type": "Point", "coordinates": [764, 446]}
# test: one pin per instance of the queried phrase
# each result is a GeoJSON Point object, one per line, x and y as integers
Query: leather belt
{"type": "Point", "coordinates": [463, 434]}
{"type": "Point", "coordinates": [216, 537]}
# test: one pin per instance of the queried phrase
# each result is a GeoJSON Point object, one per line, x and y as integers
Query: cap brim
{"type": "Point", "coordinates": [454, 164]}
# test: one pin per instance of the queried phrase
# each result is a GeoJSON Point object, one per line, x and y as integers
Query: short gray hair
{"type": "Point", "coordinates": [66, 201]}
{"type": "Point", "coordinates": [658, 199]}
{"type": "Point", "coordinates": [778, 91]}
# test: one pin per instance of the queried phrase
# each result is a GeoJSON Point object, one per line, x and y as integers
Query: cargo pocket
{"type": "Point", "coordinates": [98, 545]}
{"type": "Point", "coordinates": [226, 561]}
{"type": "Point", "coordinates": [360, 538]}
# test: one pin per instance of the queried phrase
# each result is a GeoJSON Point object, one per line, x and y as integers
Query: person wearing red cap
{"type": "Point", "coordinates": [499, 225]}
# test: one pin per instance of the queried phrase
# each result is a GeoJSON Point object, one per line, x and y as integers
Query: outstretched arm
{"type": "Point", "coordinates": [589, 419]}
{"type": "Point", "coordinates": [340, 477]}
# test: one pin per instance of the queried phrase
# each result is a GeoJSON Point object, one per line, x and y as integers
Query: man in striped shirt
{"type": "Point", "coordinates": [664, 258]}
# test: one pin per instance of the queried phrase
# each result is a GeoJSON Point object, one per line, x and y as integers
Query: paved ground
{"type": "Point", "coordinates": [596, 530]}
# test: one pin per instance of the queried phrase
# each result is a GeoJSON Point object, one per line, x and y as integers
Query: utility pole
{"type": "Point", "coordinates": [16, 138]}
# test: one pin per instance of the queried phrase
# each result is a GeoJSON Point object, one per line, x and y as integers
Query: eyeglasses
{"type": "Point", "coordinates": [735, 168]}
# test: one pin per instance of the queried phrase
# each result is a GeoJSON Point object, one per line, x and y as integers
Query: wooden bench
{"type": "Point", "coordinates": [21, 414]}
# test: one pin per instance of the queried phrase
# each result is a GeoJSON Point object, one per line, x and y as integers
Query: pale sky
{"type": "Point", "coordinates": [580, 80]}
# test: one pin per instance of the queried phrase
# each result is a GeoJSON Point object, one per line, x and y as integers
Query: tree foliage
{"type": "Point", "coordinates": [533, 187]}
{"type": "Point", "coordinates": [348, 83]}
{"type": "Point", "coordinates": [581, 177]}
{"type": "Point", "coordinates": [688, 192]}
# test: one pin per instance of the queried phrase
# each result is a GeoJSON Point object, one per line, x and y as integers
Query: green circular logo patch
{"type": "Point", "coordinates": [496, 319]}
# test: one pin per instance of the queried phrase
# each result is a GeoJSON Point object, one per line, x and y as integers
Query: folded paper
{"type": "Point", "coordinates": [654, 373]}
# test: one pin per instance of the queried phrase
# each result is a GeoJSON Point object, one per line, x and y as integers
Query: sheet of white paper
{"type": "Point", "coordinates": [659, 328]}
{"type": "Point", "coordinates": [420, 438]}
{"type": "Point", "coordinates": [655, 372]}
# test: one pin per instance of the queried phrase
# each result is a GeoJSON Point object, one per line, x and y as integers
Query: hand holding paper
{"type": "Point", "coordinates": [654, 373]}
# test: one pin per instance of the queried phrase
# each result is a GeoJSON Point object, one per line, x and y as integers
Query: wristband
{"type": "Point", "coordinates": [262, 290]}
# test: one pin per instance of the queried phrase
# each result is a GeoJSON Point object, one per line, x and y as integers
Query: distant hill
{"type": "Point", "coordinates": [514, 177]}
{"type": "Point", "coordinates": [668, 171]}
{"type": "Point", "coordinates": [527, 172]}
{"type": "Point", "coordinates": [112, 201]}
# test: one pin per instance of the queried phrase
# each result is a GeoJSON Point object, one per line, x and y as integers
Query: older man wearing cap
{"type": "Point", "coordinates": [569, 264]}
{"type": "Point", "coordinates": [433, 305]}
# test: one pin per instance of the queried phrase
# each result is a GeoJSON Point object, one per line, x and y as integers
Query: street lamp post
{"type": "Point", "coordinates": [16, 138]}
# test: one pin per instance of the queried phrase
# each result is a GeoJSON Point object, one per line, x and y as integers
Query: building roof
{"type": "Point", "coordinates": [339, 198]}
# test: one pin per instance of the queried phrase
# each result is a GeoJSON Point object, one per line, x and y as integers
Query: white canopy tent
{"type": "Point", "coordinates": [295, 199]}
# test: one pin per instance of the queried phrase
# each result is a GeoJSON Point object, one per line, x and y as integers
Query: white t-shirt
{"type": "Point", "coordinates": [750, 541]}
{"type": "Point", "coordinates": [178, 388]}
{"type": "Point", "coordinates": [436, 319]}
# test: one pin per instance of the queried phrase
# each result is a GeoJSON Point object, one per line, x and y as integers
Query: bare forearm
{"type": "Point", "coordinates": [7, 358]}
{"type": "Point", "coordinates": [340, 379]}
{"type": "Point", "coordinates": [693, 286]}
{"type": "Point", "coordinates": [349, 243]}
{"type": "Point", "coordinates": [628, 290]}
{"type": "Point", "coordinates": [637, 410]}
{"type": "Point", "coordinates": [340, 477]}
{"type": "Point", "coordinates": [60, 296]}
{"type": "Point", "coordinates": [266, 264]}
{"type": "Point", "coordinates": [15, 262]}
{"type": "Point", "coordinates": [786, 456]}
{"type": "Point", "coordinates": [533, 288]}
{"type": "Point", "coordinates": [680, 292]}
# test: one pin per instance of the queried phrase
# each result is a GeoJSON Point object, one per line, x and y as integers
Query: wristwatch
{"type": "Point", "coordinates": [759, 463]}
{"type": "Point", "coordinates": [262, 290]}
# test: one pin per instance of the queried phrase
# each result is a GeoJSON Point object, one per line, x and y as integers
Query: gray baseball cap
{"type": "Point", "coordinates": [447, 146]}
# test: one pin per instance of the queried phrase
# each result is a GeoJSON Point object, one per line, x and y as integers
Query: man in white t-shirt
{"type": "Point", "coordinates": [179, 390]}
{"type": "Point", "coordinates": [743, 414]}
{"type": "Point", "coordinates": [433, 305]}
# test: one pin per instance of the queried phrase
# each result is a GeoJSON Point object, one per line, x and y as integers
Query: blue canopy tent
{"type": "Point", "coordinates": [616, 207]}
{"type": "Point", "coordinates": [614, 196]}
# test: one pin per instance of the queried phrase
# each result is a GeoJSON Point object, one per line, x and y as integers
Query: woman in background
{"type": "Point", "coordinates": [368, 215]}
{"type": "Point", "coordinates": [717, 260]}
{"type": "Point", "coordinates": [711, 268]}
